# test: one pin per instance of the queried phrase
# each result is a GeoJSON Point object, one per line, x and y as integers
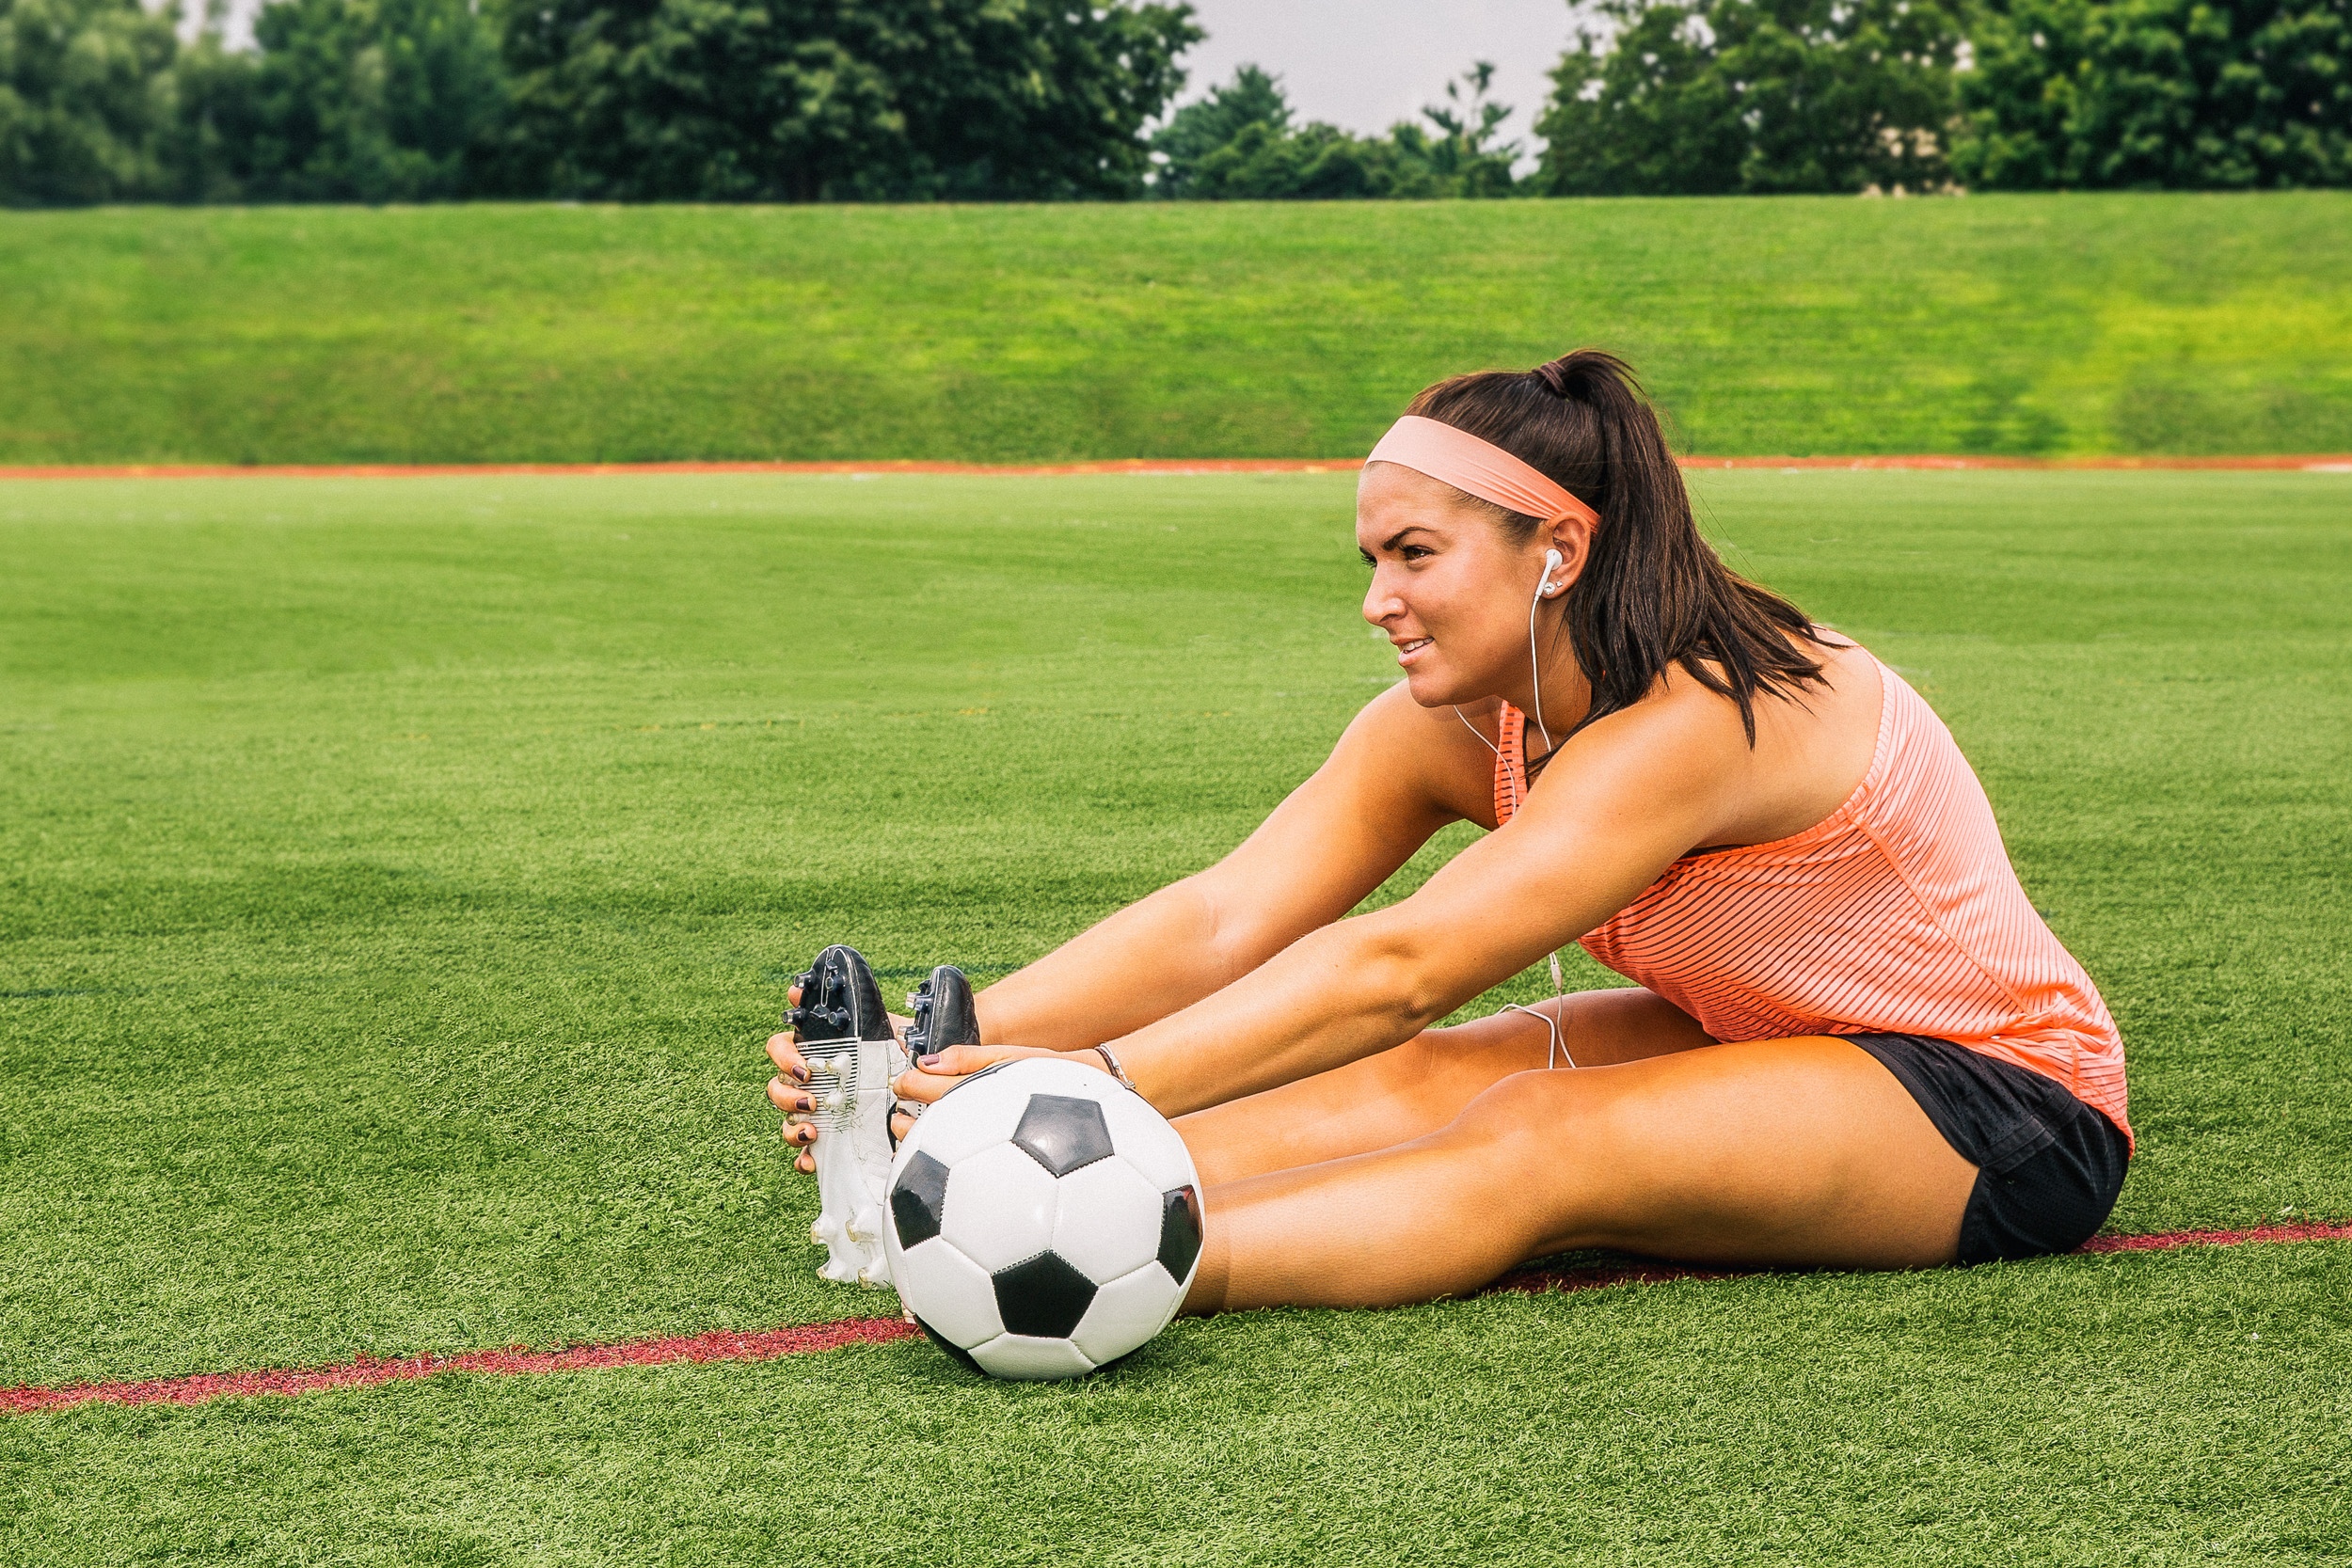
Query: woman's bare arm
{"type": "Point", "coordinates": [1623, 800]}
{"type": "Point", "coordinates": [1392, 780]}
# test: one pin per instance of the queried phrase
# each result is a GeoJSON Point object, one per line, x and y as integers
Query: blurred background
{"type": "Point", "coordinates": [468, 231]}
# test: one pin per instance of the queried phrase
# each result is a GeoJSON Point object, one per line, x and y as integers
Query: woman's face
{"type": "Point", "coordinates": [1448, 587]}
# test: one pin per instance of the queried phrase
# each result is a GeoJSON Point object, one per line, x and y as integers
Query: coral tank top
{"type": "Point", "coordinates": [1898, 914]}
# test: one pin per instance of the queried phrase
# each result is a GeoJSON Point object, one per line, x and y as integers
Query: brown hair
{"type": "Point", "coordinates": [1653, 592]}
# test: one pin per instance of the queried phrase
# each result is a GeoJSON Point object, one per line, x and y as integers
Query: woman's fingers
{"type": "Point", "coordinates": [901, 1125]}
{"type": "Point", "coordinates": [961, 1061]}
{"type": "Point", "coordinates": [785, 1051]}
{"type": "Point", "coordinates": [935, 1074]}
{"type": "Point", "coordinates": [788, 1092]}
{"type": "Point", "coordinates": [786, 1095]}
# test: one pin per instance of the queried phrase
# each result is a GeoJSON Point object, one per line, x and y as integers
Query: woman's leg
{"type": "Point", "coordinates": [1792, 1152]}
{"type": "Point", "coordinates": [1418, 1087]}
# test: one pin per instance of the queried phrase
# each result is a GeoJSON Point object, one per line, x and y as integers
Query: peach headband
{"type": "Point", "coordinates": [1477, 467]}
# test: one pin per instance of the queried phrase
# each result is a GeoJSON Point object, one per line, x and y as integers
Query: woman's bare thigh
{"type": "Point", "coordinates": [1796, 1152]}
{"type": "Point", "coordinates": [1415, 1089]}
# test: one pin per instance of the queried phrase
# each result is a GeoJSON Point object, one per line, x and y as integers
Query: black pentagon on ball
{"type": "Point", "coordinates": [958, 1352]}
{"type": "Point", "coordinates": [1180, 1231]}
{"type": "Point", "coordinates": [1044, 1296]}
{"type": "Point", "coordinates": [1063, 1133]}
{"type": "Point", "coordinates": [918, 1199]}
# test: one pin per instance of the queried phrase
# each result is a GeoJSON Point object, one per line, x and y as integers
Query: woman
{"type": "Point", "coordinates": [1851, 1042]}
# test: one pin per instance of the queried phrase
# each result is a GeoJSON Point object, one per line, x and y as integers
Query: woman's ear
{"type": "Point", "coordinates": [1573, 538]}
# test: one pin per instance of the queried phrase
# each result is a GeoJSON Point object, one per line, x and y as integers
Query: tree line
{"type": "Point", "coordinates": [1056, 100]}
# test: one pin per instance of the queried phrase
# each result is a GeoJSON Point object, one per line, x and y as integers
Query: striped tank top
{"type": "Point", "coordinates": [1898, 913]}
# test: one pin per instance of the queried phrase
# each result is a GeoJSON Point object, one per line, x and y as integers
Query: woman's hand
{"type": "Point", "coordinates": [934, 1075]}
{"type": "Point", "coordinates": [788, 1090]}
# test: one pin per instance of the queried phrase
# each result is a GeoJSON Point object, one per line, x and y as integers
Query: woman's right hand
{"type": "Point", "coordinates": [789, 1091]}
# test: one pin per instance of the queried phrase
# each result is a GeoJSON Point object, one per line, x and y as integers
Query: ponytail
{"type": "Point", "coordinates": [1653, 593]}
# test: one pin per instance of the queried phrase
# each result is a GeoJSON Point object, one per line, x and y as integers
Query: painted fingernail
{"type": "Point", "coordinates": [931, 1060]}
{"type": "Point", "coordinates": [800, 1074]}
{"type": "Point", "coordinates": [805, 1102]}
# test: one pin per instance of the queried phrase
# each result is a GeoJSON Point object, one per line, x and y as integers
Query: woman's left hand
{"type": "Point", "coordinates": [934, 1075]}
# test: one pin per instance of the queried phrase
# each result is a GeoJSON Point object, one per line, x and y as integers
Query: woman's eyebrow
{"type": "Point", "coordinates": [1398, 537]}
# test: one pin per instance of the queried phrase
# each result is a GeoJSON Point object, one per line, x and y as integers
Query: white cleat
{"type": "Point", "coordinates": [844, 1034]}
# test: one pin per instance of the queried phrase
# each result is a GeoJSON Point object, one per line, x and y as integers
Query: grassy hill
{"type": "Point", "coordinates": [2052, 325]}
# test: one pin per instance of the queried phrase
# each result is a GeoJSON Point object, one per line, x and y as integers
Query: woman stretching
{"type": "Point", "coordinates": [1850, 1042]}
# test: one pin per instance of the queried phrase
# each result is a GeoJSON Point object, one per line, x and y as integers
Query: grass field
{"type": "Point", "coordinates": [2052, 325]}
{"type": "Point", "coordinates": [396, 879]}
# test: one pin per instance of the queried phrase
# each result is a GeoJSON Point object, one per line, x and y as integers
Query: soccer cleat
{"type": "Point", "coordinates": [944, 1016]}
{"type": "Point", "coordinates": [943, 1013]}
{"type": "Point", "coordinates": [844, 1034]}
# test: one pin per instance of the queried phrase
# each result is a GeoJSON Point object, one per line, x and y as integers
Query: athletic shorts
{"type": "Point", "coordinates": [2048, 1167]}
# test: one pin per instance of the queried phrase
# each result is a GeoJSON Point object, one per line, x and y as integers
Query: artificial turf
{"type": "Point", "coordinates": [399, 877]}
{"type": "Point", "coordinates": [2038, 324]}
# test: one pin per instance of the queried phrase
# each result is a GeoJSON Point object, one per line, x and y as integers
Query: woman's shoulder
{"type": "Point", "coordinates": [1849, 679]}
{"type": "Point", "coordinates": [1444, 755]}
{"type": "Point", "coordinates": [1812, 746]}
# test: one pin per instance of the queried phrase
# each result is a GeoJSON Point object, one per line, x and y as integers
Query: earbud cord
{"type": "Point", "coordinates": [1536, 668]}
{"type": "Point", "coordinates": [1535, 665]}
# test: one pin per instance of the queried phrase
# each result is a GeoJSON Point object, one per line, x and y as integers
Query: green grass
{"type": "Point", "coordinates": [2054, 325]}
{"type": "Point", "coordinates": [397, 878]}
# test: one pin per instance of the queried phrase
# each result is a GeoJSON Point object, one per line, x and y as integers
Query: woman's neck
{"type": "Point", "coordinates": [1567, 697]}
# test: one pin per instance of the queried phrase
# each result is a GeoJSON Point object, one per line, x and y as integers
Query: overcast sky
{"type": "Point", "coordinates": [1365, 64]}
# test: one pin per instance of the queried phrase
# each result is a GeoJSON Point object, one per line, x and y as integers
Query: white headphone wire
{"type": "Point", "coordinates": [1558, 1050]}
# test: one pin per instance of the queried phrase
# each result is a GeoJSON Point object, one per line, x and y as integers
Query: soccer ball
{"type": "Point", "coordinates": [1044, 1220]}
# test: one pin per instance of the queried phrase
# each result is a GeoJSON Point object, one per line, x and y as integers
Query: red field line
{"type": "Point", "coordinates": [202, 1388]}
{"type": "Point", "coordinates": [2310, 462]}
{"type": "Point", "coordinates": [367, 1371]}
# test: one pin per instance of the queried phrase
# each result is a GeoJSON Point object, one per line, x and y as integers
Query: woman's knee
{"type": "Point", "coordinates": [1530, 1116]}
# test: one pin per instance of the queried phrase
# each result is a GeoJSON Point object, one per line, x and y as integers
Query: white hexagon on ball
{"type": "Point", "coordinates": [1107, 1220]}
{"type": "Point", "coordinates": [1126, 1313]}
{"type": "Point", "coordinates": [1145, 1140]}
{"type": "Point", "coordinates": [1000, 1207]}
{"type": "Point", "coordinates": [1018, 1356]}
{"type": "Point", "coordinates": [959, 1302]}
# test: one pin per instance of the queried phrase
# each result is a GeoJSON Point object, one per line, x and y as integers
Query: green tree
{"type": "Point", "coordinates": [85, 95]}
{"type": "Point", "coordinates": [2187, 94]}
{"type": "Point", "coordinates": [1238, 143]}
{"type": "Point", "coordinates": [831, 100]}
{"type": "Point", "coordinates": [1466, 158]}
{"type": "Point", "coordinates": [343, 101]}
{"type": "Point", "coordinates": [1218, 120]}
{"type": "Point", "coordinates": [1696, 97]}
{"type": "Point", "coordinates": [374, 100]}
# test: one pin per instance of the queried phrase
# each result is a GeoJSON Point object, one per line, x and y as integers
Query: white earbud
{"type": "Point", "coordinates": [1552, 564]}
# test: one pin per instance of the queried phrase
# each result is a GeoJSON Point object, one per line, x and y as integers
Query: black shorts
{"type": "Point", "coordinates": [2048, 1167]}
